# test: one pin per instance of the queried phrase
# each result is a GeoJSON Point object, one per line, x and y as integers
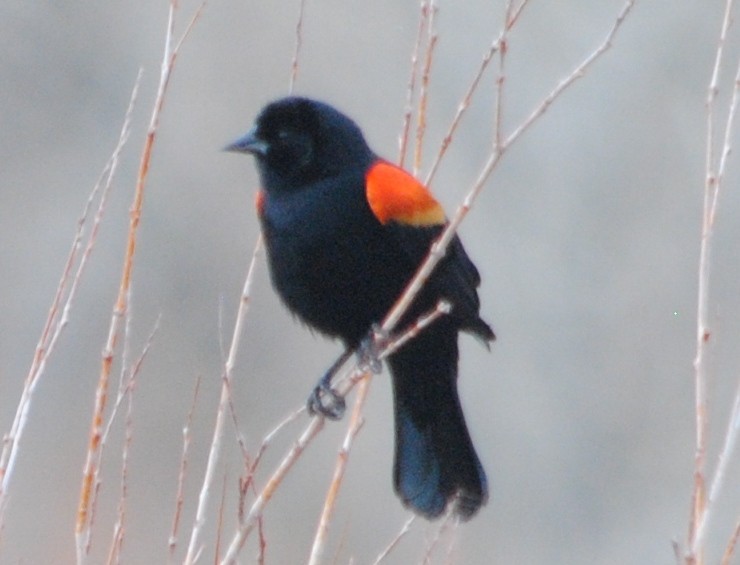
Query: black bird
{"type": "Point", "coordinates": [345, 230]}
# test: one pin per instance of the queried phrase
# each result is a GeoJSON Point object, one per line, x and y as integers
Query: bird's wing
{"type": "Point", "coordinates": [407, 209]}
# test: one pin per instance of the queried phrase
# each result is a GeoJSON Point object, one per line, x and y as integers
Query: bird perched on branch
{"type": "Point", "coordinates": [345, 231]}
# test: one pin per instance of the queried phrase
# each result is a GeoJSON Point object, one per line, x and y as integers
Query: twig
{"type": "Point", "coordinates": [450, 520]}
{"type": "Point", "coordinates": [114, 554]}
{"type": "Point", "coordinates": [223, 405]}
{"type": "Point", "coordinates": [495, 47]}
{"type": "Point", "coordinates": [421, 118]}
{"type": "Point", "coordinates": [127, 381]}
{"type": "Point", "coordinates": [395, 541]}
{"type": "Point", "coordinates": [271, 435]}
{"type": "Point", "coordinates": [298, 45]}
{"type": "Point", "coordinates": [55, 324]}
{"type": "Point", "coordinates": [501, 78]}
{"type": "Point", "coordinates": [443, 307]}
{"type": "Point", "coordinates": [267, 492]}
{"type": "Point", "coordinates": [126, 390]}
{"type": "Point", "coordinates": [220, 521]}
{"type": "Point", "coordinates": [712, 184]}
{"type": "Point", "coordinates": [248, 480]}
{"type": "Point", "coordinates": [343, 386]}
{"type": "Point", "coordinates": [179, 498]}
{"type": "Point", "coordinates": [731, 545]}
{"type": "Point", "coordinates": [262, 542]}
{"type": "Point", "coordinates": [439, 247]}
{"type": "Point", "coordinates": [723, 460]}
{"type": "Point", "coordinates": [82, 527]}
{"type": "Point", "coordinates": [356, 422]}
{"type": "Point", "coordinates": [239, 437]}
{"type": "Point", "coordinates": [403, 137]}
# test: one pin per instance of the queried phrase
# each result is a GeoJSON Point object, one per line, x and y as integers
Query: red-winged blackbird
{"type": "Point", "coordinates": [345, 231]}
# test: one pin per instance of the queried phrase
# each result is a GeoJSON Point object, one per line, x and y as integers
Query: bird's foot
{"type": "Point", "coordinates": [326, 401]}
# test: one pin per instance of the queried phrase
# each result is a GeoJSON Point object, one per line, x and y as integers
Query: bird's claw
{"type": "Point", "coordinates": [326, 401]}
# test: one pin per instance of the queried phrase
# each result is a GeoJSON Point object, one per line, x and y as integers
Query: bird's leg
{"type": "Point", "coordinates": [324, 399]}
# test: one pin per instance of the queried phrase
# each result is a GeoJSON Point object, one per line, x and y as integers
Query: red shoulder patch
{"type": "Point", "coordinates": [259, 202]}
{"type": "Point", "coordinates": [395, 195]}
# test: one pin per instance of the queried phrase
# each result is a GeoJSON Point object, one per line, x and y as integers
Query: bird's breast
{"type": "Point", "coordinates": [331, 262]}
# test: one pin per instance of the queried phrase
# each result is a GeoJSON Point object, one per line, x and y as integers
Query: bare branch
{"type": "Point", "coordinates": [440, 245]}
{"type": "Point", "coordinates": [267, 492]}
{"type": "Point", "coordinates": [449, 521]}
{"type": "Point", "coordinates": [55, 324]}
{"type": "Point", "coordinates": [421, 116]}
{"type": "Point", "coordinates": [179, 498]}
{"type": "Point", "coordinates": [714, 174]}
{"type": "Point", "coordinates": [495, 47]}
{"type": "Point", "coordinates": [356, 422]}
{"type": "Point", "coordinates": [82, 526]}
{"type": "Point", "coordinates": [731, 545]}
{"type": "Point", "coordinates": [298, 45]}
{"type": "Point", "coordinates": [403, 138]}
{"type": "Point", "coordinates": [126, 390]}
{"type": "Point", "coordinates": [223, 406]}
{"type": "Point", "coordinates": [395, 541]}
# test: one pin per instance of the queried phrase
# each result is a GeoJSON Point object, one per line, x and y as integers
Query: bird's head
{"type": "Point", "coordinates": [297, 141]}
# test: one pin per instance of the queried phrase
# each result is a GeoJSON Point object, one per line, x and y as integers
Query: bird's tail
{"type": "Point", "coordinates": [435, 459]}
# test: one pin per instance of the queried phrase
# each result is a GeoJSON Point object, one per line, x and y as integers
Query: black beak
{"type": "Point", "coordinates": [249, 143]}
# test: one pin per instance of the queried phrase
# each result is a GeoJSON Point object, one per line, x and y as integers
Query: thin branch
{"type": "Point", "coordinates": [220, 521]}
{"type": "Point", "coordinates": [727, 144]}
{"type": "Point", "coordinates": [443, 307]}
{"type": "Point", "coordinates": [239, 437]}
{"type": "Point", "coordinates": [356, 422]}
{"type": "Point", "coordinates": [271, 435]}
{"type": "Point", "coordinates": [127, 380]}
{"type": "Point", "coordinates": [403, 137]}
{"type": "Point", "coordinates": [449, 521]}
{"type": "Point", "coordinates": [731, 545]}
{"type": "Point", "coordinates": [495, 47]}
{"type": "Point", "coordinates": [223, 407]}
{"type": "Point", "coordinates": [114, 554]}
{"type": "Point", "coordinates": [82, 526]}
{"type": "Point", "coordinates": [56, 323]}
{"type": "Point", "coordinates": [421, 117]}
{"type": "Point", "coordinates": [343, 386]}
{"type": "Point", "coordinates": [723, 460]}
{"type": "Point", "coordinates": [267, 492]}
{"type": "Point", "coordinates": [395, 541]}
{"type": "Point", "coordinates": [461, 108]}
{"type": "Point", "coordinates": [578, 72]}
{"type": "Point", "coordinates": [712, 183]}
{"type": "Point", "coordinates": [127, 386]}
{"type": "Point", "coordinates": [298, 45]}
{"type": "Point", "coordinates": [501, 78]}
{"type": "Point", "coordinates": [439, 247]}
{"type": "Point", "coordinates": [179, 498]}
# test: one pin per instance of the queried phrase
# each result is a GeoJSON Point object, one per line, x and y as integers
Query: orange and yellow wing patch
{"type": "Point", "coordinates": [395, 195]}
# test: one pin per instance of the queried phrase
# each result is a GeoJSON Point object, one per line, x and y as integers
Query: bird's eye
{"type": "Point", "coordinates": [291, 149]}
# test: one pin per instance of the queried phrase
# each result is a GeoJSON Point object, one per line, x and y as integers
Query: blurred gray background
{"type": "Point", "coordinates": [587, 238]}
